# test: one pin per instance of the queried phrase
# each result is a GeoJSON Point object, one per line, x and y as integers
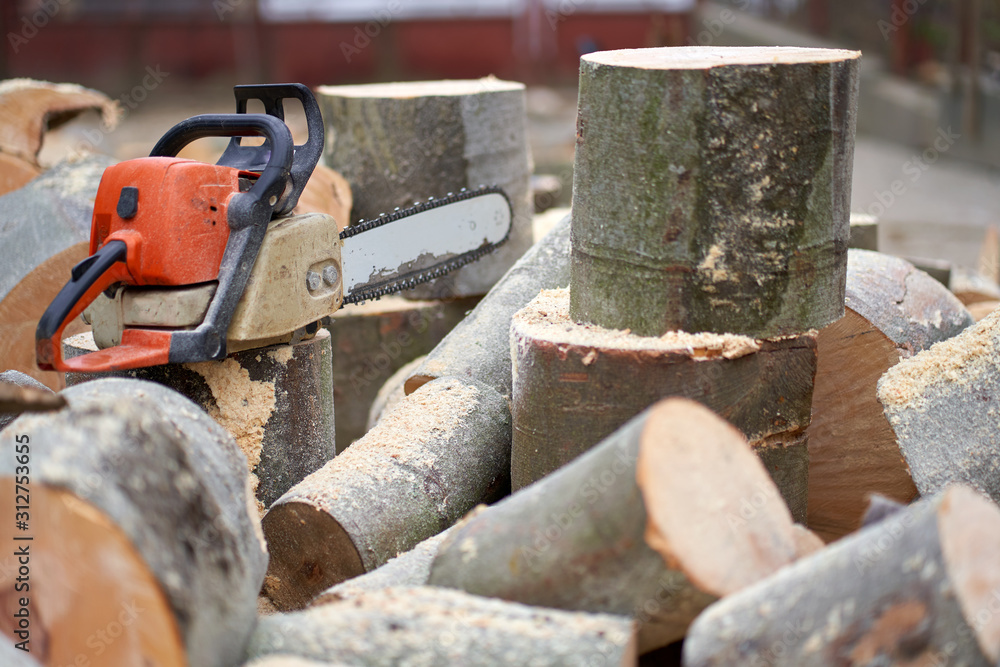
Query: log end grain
{"type": "Point", "coordinates": [723, 536]}
{"type": "Point", "coordinates": [309, 551]}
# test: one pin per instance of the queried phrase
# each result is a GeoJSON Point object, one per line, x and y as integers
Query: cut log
{"type": "Point", "coordinates": [942, 405]}
{"type": "Point", "coordinates": [915, 589]}
{"type": "Point", "coordinates": [277, 402]}
{"type": "Point", "coordinates": [434, 626]}
{"type": "Point", "coordinates": [22, 393]}
{"type": "Point", "coordinates": [893, 311]}
{"type": "Point", "coordinates": [667, 514]}
{"type": "Point", "coordinates": [981, 309]}
{"type": "Point", "coordinates": [372, 341]}
{"type": "Point", "coordinates": [938, 269]}
{"type": "Point", "coordinates": [880, 507]}
{"type": "Point", "coordinates": [479, 346]}
{"type": "Point", "coordinates": [398, 143]}
{"type": "Point", "coordinates": [574, 384]}
{"type": "Point", "coordinates": [44, 230]}
{"type": "Point", "coordinates": [711, 189]}
{"type": "Point", "coordinates": [441, 452]}
{"type": "Point", "coordinates": [284, 660]}
{"type": "Point", "coordinates": [29, 107]}
{"type": "Point", "coordinates": [141, 522]}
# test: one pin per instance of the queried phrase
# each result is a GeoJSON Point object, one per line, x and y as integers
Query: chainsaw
{"type": "Point", "coordinates": [192, 261]}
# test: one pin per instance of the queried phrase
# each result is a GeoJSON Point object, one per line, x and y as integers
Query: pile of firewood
{"type": "Point", "coordinates": [689, 421]}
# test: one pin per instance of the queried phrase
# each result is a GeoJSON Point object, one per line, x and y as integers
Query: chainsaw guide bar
{"type": "Point", "coordinates": [491, 219]}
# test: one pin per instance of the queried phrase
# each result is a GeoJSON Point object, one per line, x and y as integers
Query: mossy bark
{"type": "Point", "coordinates": [712, 189]}
{"type": "Point", "coordinates": [398, 143]}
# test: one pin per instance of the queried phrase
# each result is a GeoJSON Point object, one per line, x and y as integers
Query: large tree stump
{"type": "Point", "coordinates": [711, 189]}
{"type": "Point", "coordinates": [397, 143]}
{"type": "Point", "coordinates": [944, 406]}
{"type": "Point", "coordinates": [277, 402]}
{"type": "Point", "coordinates": [435, 626]}
{"type": "Point", "coordinates": [667, 514]}
{"type": "Point", "coordinates": [574, 384]}
{"type": "Point", "coordinates": [441, 452]}
{"type": "Point", "coordinates": [44, 231]}
{"type": "Point", "coordinates": [479, 346]}
{"type": "Point", "coordinates": [140, 516]}
{"type": "Point", "coordinates": [372, 341]}
{"type": "Point", "coordinates": [893, 311]}
{"type": "Point", "coordinates": [917, 588]}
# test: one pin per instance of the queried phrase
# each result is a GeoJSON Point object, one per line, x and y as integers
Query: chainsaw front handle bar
{"type": "Point", "coordinates": [274, 177]}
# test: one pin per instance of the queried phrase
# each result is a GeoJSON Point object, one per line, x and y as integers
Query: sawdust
{"type": "Point", "coordinates": [547, 316]}
{"type": "Point", "coordinates": [242, 407]}
{"type": "Point", "coordinates": [408, 433]}
{"type": "Point", "coordinates": [282, 354]}
{"type": "Point", "coordinates": [947, 365]}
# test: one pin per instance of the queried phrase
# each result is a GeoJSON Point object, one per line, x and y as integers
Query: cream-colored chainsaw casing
{"type": "Point", "coordinates": [296, 280]}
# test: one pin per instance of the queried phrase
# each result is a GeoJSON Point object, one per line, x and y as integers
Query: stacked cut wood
{"type": "Point", "coordinates": [618, 449]}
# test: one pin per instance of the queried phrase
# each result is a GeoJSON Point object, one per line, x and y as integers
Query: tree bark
{"type": "Point", "coordinates": [435, 626]}
{"type": "Point", "coordinates": [916, 588]}
{"type": "Point", "coordinates": [942, 406]}
{"type": "Point", "coordinates": [574, 384]}
{"type": "Point", "coordinates": [139, 495]}
{"type": "Point", "coordinates": [441, 452]}
{"type": "Point", "coordinates": [712, 189]}
{"type": "Point", "coordinates": [277, 402]}
{"type": "Point", "coordinates": [893, 311]}
{"type": "Point", "coordinates": [397, 143]}
{"type": "Point", "coordinates": [479, 346]}
{"type": "Point", "coordinates": [669, 513]}
{"type": "Point", "coordinates": [372, 341]}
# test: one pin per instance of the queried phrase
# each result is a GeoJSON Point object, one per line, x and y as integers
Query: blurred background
{"type": "Point", "coordinates": [931, 72]}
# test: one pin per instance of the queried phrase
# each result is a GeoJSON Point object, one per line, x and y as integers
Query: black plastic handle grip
{"type": "Point", "coordinates": [307, 155]}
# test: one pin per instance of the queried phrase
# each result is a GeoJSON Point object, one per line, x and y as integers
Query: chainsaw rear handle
{"type": "Point", "coordinates": [274, 177]}
{"type": "Point", "coordinates": [89, 278]}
